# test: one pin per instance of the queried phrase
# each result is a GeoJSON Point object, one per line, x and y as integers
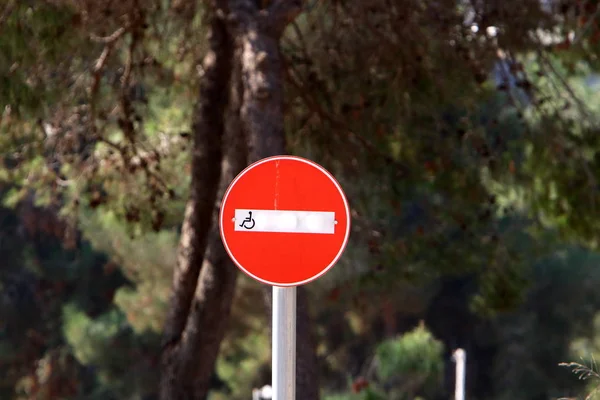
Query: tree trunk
{"type": "Point", "coordinates": [258, 34]}
{"type": "Point", "coordinates": [211, 307]}
{"type": "Point", "coordinates": [206, 170]}
{"type": "Point", "coordinates": [204, 284]}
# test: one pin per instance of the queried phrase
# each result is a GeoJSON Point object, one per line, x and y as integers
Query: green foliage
{"type": "Point", "coordinates": [586, 372]}
{"type": "Point", "coordinates": [447, 174]}
{"type": "Point", "coordinates": [147, 259]}
{"type": "Point", "coordinates": [404, 368]}
{"type": "Point", "coordinates": [367, 394]}
{"type": "Point", "coordinates": [108, 343]}
{"type": "Point", "coordinates": [560, 304]}
{"type": "Point", "coordinates": [587, 348]}
{"type": "Point", "coordinates": [41, 274]}
{"type": "Point", "coordinates": [245, 357]}
{"type": "Point", "coordinates": [421, 130]}
{"type": "Point", "coordinates": [238, 364]}
{"type": "Point", "coordinates": [90, 337]}
{"type": "Point", "coordinates": [416, 352]}
{"type": "Point", "coordinates": [410, 364]}
{"type": "Point", "coordinates": [28, 34]}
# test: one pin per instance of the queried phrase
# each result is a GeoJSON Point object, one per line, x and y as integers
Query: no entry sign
{"type": "Point", "coordinates": [284, 221]}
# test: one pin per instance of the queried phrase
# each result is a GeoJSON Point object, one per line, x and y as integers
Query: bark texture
{"type": "Point", "coordinates": [211, 307]}
{"type": "Point", "coordinates": [307, 368]}
{"type": "Point", "coordinates": [207, 155]}
{"type": "Point", "coordinates": [206, 162]}
{"type": "Point", "coordinates": [251, 82]}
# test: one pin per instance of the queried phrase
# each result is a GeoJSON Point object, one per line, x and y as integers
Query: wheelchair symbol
{"type": "Point", "coordinates": [249, 222]}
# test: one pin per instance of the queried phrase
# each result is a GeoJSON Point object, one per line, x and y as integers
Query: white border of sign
{"type": "Point", "coordinates": [326, 173]}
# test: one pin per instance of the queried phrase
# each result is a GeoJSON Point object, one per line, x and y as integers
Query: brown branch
{"type": "Point", "coordinates": [113, 37]}
{"type": "Point", "coordinates": [97, 74]}
{"type": "Point", "coordinates": [303, 45]}
{"type": "Point", "coordinates": [592, 182]}
{"type": "Point", "coordinates": [220, 7]}
{"type": "Point", "coordinates": [340, 126]}
{"type": "Point", "coordinates": [111, 144]}
{"type": "Point", "coordinates": [216, 284]}
{"type": "Point", "coordinates": [206, 170]}
{"type": "Point", "coordinates": [98, 66]}
{"type": "Point", "coordinates": [110, 42]}
{"type": "Point", "coordinates": [126, 78]}
{"type": "Point", "coordinates": [153, 175]}
{"type": "Point", "coordinates": [564, 142]}
{"type": "Point", "coordinates": [126, 124]}
{"type": "Point", "coordinates": [281, 13]}
{"type": "Point", "coordinates": [6, 11]}
{"type": "Point", "coordinates": [545, 61]}
{"type": "Point", "coordinates": [591, 20]}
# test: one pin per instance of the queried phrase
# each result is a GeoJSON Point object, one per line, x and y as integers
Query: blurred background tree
{"type": "Point", "coordinates": [464, 133]}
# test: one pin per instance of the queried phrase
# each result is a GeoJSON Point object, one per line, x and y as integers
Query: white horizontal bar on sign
{"type": "Point", "coordinates": [285, 221]}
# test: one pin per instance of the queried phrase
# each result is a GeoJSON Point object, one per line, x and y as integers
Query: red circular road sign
{"type": "Point", "coordinates": [284, 221]}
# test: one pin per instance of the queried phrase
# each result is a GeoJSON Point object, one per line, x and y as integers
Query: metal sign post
{"type": "Point", "coordinates": [290, 211]}
{"type": "Point", "coordinates": [284, 343]}
{"type": "Point", "coordinates": [460, 358]}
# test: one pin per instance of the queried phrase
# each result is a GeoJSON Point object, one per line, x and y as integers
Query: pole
{"type": "Point", "coordinates": [284, 343]}
{"type": "Point", "coordinates": [460, 358]}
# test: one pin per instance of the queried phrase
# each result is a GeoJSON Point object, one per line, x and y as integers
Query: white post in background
{"type": "Point", "coordinates": [460, 358]}
{"type": "Point", "coordinates": [283, 362]}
